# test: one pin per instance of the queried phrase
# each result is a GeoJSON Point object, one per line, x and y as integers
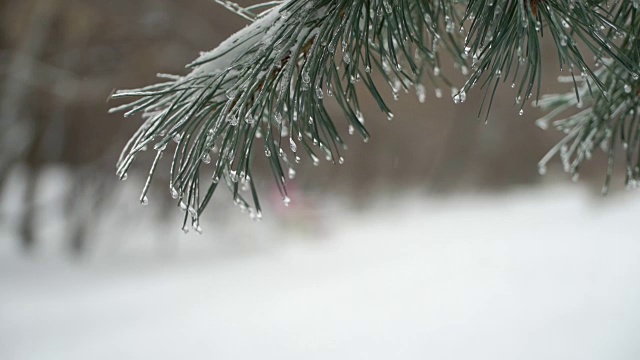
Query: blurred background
{"type": "Point", "coordinates": [436, 238]}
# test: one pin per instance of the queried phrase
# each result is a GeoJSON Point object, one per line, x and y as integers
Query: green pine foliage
{"type": "Point", "coordinates": [262, 92]}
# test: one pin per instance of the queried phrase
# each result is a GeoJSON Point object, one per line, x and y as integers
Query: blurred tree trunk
{"type": "Point", "coordinates": [18, 126]}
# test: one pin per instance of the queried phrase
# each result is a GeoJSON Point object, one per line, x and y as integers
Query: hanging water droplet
{"type": "Point", "coordinates": [177, 137]}
{"type": "Point", "coordinates": [286, 200]}
{"type": "Point", "coordinates": [305, 77]}
{"type": "Point", "coordinates": [351, 129]}
{"type": "Point", "coordinates": [521, 112]}
{"type": "Point", "coordinates": [542, 169]}
{"type": "Point", "coordinates": [390, 116]}
{"type": "Point", "coordinates": [460, 97]}
{"type": "Point", "coordinates": [267, 152]}
{"type": "Point", "coordinates": [124, 176]}
{"type": "Point", "coordinates": [346, 58]}
{"type": "Point", "coordinates": [174, 193]}
{"type": "Point", "coordinates": [627, 88]}
{"type": "Point", "coordinates": [144, 201]}
{"type": "Point", "coordinates": [292, 173]}
{"type": "Point", "coordinates": [206, 158]}
{"type": "Point", "coordinates": [293, 145]}
{"type": "Point", "coordinates": [319, 93]}
{"type": "Point", "coordinates": [420, 92]}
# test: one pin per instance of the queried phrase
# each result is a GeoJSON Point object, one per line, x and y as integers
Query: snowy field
{"type": "Point", "coordinates": [530, 274]}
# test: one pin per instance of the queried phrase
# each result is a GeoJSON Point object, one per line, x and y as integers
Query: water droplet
{"type": "Point", "coordinates": [627, 88]}
{"type": "Point", "coordinates": [319, 93]}
{"type": "Point", "coordinates": [521, 112]}
{"type": "Point", "coordinates": [286, 200]}
{"type": "Point", "coordinates": [420, 92]}
{"type": "Point", "coordinates": [542, 169]}
{"type": "Point", "coordinates": [206, 158]}
{"type": "Point", "coordinates": [174, 193]}
{"type": "Point", "coordinates": [305, 77]}
{"type": "Point", "coordinates": [144, 201]}
{"type": "Point", "coordinates": [292, 173]}
{"type": "Point", "coordinates": [346, 58]}
{"type": "Point", "coordinates": [460, 97]}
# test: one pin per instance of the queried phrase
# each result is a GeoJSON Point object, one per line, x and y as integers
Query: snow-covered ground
{"type": "Point", "coordinates": [550, 273]}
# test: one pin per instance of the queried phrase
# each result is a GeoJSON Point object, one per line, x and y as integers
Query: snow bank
{"type": "Point", "coordinates": [538, 274]}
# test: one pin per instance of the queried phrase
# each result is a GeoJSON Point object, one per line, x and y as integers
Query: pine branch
{"type": "Point", "coordinates": [605, 118]}
{"type": "Point", "coordinates": [265, 87]}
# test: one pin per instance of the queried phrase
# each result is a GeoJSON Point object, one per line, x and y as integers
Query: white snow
{"type": "Point", "coordinates": [548, 273]}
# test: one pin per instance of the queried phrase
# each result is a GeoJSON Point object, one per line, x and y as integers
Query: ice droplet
{"type": "Point", "coordinates": [542, 169]}
{"type": "Point", "coordinates": [346, 58]}
{"type": "Point", "coordinates": [460, 97]}
{"type": "Point", "coordinates": [306, 78]}
{"type": "Point", "coordinates": [420, 92]}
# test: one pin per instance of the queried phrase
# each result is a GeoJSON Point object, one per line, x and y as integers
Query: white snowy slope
{"type": "Point", "coordinates": [532, 274]}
